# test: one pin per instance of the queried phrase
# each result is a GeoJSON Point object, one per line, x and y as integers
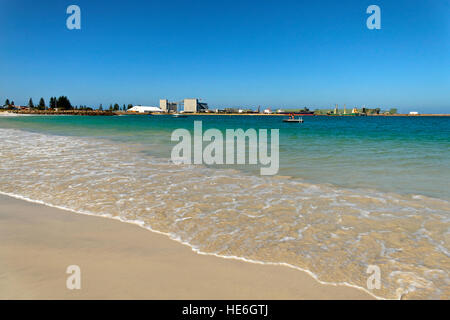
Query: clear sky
{"type": "Point", "coordinates": [229, 53]}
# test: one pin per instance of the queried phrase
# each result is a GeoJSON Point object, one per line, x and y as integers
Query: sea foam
{"type": "Point", "coordinates": [332, 233]}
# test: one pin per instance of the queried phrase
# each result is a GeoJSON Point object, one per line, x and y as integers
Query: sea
{"type": "Point", "coordinates": [352, 194]}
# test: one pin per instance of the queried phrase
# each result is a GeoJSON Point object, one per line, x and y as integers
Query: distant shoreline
{"type": "Point", "coordinates": [115, 113]}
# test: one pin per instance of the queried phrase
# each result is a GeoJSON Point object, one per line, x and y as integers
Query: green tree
{"type": "Point", "coordinates": [393, 111]}
{"type": "Point", "coordinates": [130, 106]}
{"type": "Point", "coordinates": [53, 102]}
{"type": "Point", "coordinates": [63, 103]}
{"type": "Point", "coordinates": [7, 102]}
{"type": "Point", "coordinates": [30, 103]}
{"type": "Point", "coordinates": [110, 107]}
{"type": "Point", "coordinates": [100, 107]}
{"type": "Point", "coordinates": [116, 107]}
{"type": "Point", "coordinates": [41, 105]}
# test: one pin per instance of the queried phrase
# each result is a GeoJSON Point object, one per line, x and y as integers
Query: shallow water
{"type": "Point", "coordinates": [395, 154]}
{"type": "Point", "coordinates": [328, 211]}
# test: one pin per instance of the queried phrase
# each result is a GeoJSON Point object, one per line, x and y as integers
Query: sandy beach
{"type": "Point", "coordinates": [123, 261]}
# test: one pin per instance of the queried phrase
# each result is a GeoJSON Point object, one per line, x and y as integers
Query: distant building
{"type": "Point", "coordinates": [167, 106]}
{"type": "Point", "coordinates": [144, 109]}
{"type": "Point", "coordinates": [193, 105]}
{"type": "Point", "coordinates": [186, 105]}
{"type": "Point", "coordinates": [267, 111]}
{"type": "Point", "coordinates": [413, 113]}
{"type": "Point", "coordinates": [230, 110]}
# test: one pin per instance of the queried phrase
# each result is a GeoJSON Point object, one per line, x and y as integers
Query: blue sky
{"type": "Point", "coordinates": [229, 53]}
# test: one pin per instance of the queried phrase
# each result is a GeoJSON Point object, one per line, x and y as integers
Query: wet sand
{"type": "Point", "coordinates": [123, 261]}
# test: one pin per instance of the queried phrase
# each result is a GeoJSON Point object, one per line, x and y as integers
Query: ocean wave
{"type": "Point", "coordinates": [332, 233]}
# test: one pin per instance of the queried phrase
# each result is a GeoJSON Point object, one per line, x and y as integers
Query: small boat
{"type": "Point", "coordinates": [298, 120]}
{"type": "Point", "coordinates": [179, 115]}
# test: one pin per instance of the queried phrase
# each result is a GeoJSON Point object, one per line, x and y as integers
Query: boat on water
{"type": "Point", "coordinates": [179, 115]}
{"type": "Point", "coordinates": [293, 119]}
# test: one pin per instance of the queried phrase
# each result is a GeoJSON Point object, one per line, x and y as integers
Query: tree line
{"type": "Point", "coordinates": [63, 103]}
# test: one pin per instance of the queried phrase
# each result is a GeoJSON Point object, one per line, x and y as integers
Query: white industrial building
{"type": "Point", "coordinates": [186, 105]}
{"type": "Point", "coordinates": [144, 109]}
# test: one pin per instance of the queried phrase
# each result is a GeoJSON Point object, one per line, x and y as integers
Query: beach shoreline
{"type": "Point", "coordinates": [122, 261]}
{"type": "Point", "coordinates": [285, 114]}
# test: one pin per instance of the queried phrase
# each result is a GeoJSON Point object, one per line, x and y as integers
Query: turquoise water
{"type": "Point", "coordinates": [351, 192]}
{"type": "Point", "coordinates": [407, 155]}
